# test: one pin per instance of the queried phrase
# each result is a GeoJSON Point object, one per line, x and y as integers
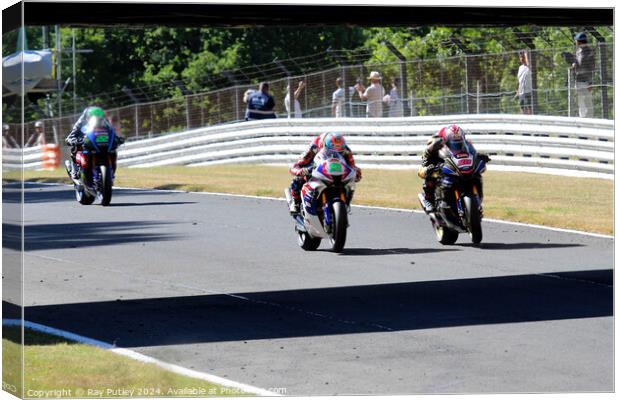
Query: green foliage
{"type": "Point", "coordinates": [152, 58]}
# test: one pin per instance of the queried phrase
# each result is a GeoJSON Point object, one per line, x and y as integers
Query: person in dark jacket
{"type": "Point", "coordinates": [260, 104]}
{"type": "Point", "coordinates": [583, 65]}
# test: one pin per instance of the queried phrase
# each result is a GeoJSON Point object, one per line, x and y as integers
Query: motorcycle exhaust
{"type": "Point", "coordinates": [289, 197]}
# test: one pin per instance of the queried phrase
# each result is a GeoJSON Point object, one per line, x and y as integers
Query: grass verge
{"type": "Point", "coordinates": [56, 367]}
{"type": "Point", "coordinates": [557, 201]}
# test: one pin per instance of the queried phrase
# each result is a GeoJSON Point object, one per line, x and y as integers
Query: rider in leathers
{"type": "Point", "coordinates": [302, 169]}
{"type": "Point", "coordinates": [452, 136]}
{"type": "Point", "coordinates": [75, 139]}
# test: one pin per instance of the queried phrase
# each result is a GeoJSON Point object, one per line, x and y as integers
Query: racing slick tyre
{"type": "Point", "coordinates": [106, 181]}
{"type": "Point", "coordinates": [446, 235]}
{"type": "Point", "coordinates": [339, 227]}
{"type": "Point", "coordinates": [83, 197]}
{"type": "Point", "coordinates": [472, 213]}
{"type": "Point", "coordinates": [308, 242]}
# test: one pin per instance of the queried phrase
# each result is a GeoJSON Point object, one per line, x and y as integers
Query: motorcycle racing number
{"type": "Point", "coordinates": [102, 138]}
{"type": "Point", "coordinates": [464, 162]}
{"type": "Point", "coordinates": [335, 167]}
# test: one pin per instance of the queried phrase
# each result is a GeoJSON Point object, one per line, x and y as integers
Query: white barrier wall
{"type": "Point", "coordinates": [557, 145]}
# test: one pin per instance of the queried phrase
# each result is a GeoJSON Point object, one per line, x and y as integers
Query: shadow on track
{"type": "Point", "coordinates": [153, 203]}
{"type": "Point", "coordinates": [381, 252]}
{"type": "Point", "coordinates": [39, 193]}
{"type": "Point", "coordinates": [335, 311]}
{"type": "Point", "coordinates": [79, 235]}
{"type": "Point", "coordinates": [519, 246]}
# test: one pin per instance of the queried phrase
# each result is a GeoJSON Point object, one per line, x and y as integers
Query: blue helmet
{"type": "Point", "coordinates": [581, 37]}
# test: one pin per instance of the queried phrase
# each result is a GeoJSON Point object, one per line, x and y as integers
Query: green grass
{"type": "Point", "coordinates": [563, 202]}
{"type": "Point", "coordinates": [53, 364]}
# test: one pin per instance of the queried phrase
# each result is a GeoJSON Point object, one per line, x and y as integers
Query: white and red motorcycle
{"type": "Point", "coordinates": [325, 214]}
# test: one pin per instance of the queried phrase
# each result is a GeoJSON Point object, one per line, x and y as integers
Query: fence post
{"type": "Point", "coordinates": [346, 93]}
{"type": "Point", "coordinates": [413, 103]}
{"type": "Point", "coordinates": [237, 103]}
{"type": "Point", "coordinates": [568, 91]}
{"type": "Point", "coordinates": [478, 97]}
{"type": "Point", "coordinates": [136, 118]}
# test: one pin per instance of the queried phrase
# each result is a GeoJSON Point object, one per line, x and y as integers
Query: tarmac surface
{"type": "Point", "coordinates": [218, 284]}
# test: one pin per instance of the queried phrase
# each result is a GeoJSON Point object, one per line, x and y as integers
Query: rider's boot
{"type": "Point", "coordinates": [428, 203]}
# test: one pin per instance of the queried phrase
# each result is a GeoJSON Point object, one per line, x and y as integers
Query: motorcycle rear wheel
{"type": "Point", "coordinates": [446, 235]}
{"type": "Point", "coordinates": [308, 242]}
{"type": "Point", "coordinates": [83, 197]}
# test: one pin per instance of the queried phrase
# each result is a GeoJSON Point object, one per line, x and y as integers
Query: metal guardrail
{"type": "Point", "coordinates": [584, 147]}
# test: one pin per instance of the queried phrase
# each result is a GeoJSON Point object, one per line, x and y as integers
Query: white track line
{"type": "Point", "coordinates": [247, 196]}
{"type": "Point", "coordinates": [140, 357]}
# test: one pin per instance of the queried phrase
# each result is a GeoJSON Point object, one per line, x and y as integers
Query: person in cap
{"type": "Point", "coordinates": [583, 66]}
{"type": "Point", "coordinates": [39, 132]}
{"type": "Point", "coordinates": [373, 95]}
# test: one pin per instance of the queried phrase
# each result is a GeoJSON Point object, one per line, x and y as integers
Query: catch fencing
{"type": "Point", "coordinates": [465, 84]}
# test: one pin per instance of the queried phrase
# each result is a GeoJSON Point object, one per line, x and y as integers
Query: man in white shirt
{"type": "Point", "coordinates": [524, 84]}
{"type": "Point", "coordinates": [287, 99]}
{"type": "Point", "coordinates": [373, 95]}
{"type": "Point", "coordinates": [338, 100]}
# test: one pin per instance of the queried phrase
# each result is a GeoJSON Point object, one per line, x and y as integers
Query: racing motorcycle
{"type": "Point", "coordinates": [95, 160]}
{"type": "Point", "coordinates": [462, 169]}
{"type": "Point", "coordinates": [325, 215]}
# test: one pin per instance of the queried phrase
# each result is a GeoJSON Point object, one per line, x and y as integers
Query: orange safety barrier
{"type": "Point", "coordinates": [50, 155]}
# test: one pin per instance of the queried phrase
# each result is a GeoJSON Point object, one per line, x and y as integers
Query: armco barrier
{"type": "Point", "coordinates": [515, 142]}
{"type": "Point", "coordinates": [583, 147]}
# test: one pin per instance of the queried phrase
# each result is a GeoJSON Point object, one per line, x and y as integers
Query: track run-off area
{"type": "Point", "coordinates": [217, 283]}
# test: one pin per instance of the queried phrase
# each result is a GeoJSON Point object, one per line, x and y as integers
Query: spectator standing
{"type": "Point", "coordinates": [524, 84]}
{"type": "Point", "coordinates": [39, 132]}
{"type": "Point", "coordinates": [373, 95]}
{"type": "Point", "coordinates": [338, 100]}
{"type": "Point", "coordinates": [287, 100]}
{"type": "Point", "coordinates": [394, 100]}
{"type": "Point", "coordinates": [260, 104]}
{"type": "Point", "coordinates": [583, 65]}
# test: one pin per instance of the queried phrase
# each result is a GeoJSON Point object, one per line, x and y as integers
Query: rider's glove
{"type": "Point", "coordinates": [484, 158]}
{"type": "Point", "coordinates": [307, 171]}
{"type": "Point", "coordinates": [358, 175]}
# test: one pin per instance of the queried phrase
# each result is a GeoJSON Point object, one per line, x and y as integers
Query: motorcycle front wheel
{"type": "Point", "coordinates": [472, 213]}
{"type": "Point", "coordinates": [339, 228]}
{"type": "Point", "coordinates": [106, 183]}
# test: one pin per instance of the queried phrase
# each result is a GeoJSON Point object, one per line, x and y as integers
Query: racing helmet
{"type": "Point", "coordinates": [334, 141]}
{"type": "Point", "coordinates": [95, 112]}
{"type": "Point", "coordinates": [454, 137]}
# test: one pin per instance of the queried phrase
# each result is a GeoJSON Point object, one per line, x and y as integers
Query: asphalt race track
{"type": "Point", "coordinates": [218, 284]}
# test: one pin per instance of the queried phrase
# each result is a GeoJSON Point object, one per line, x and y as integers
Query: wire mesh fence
{"type": "Point", "coordinates": [466, 84]}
